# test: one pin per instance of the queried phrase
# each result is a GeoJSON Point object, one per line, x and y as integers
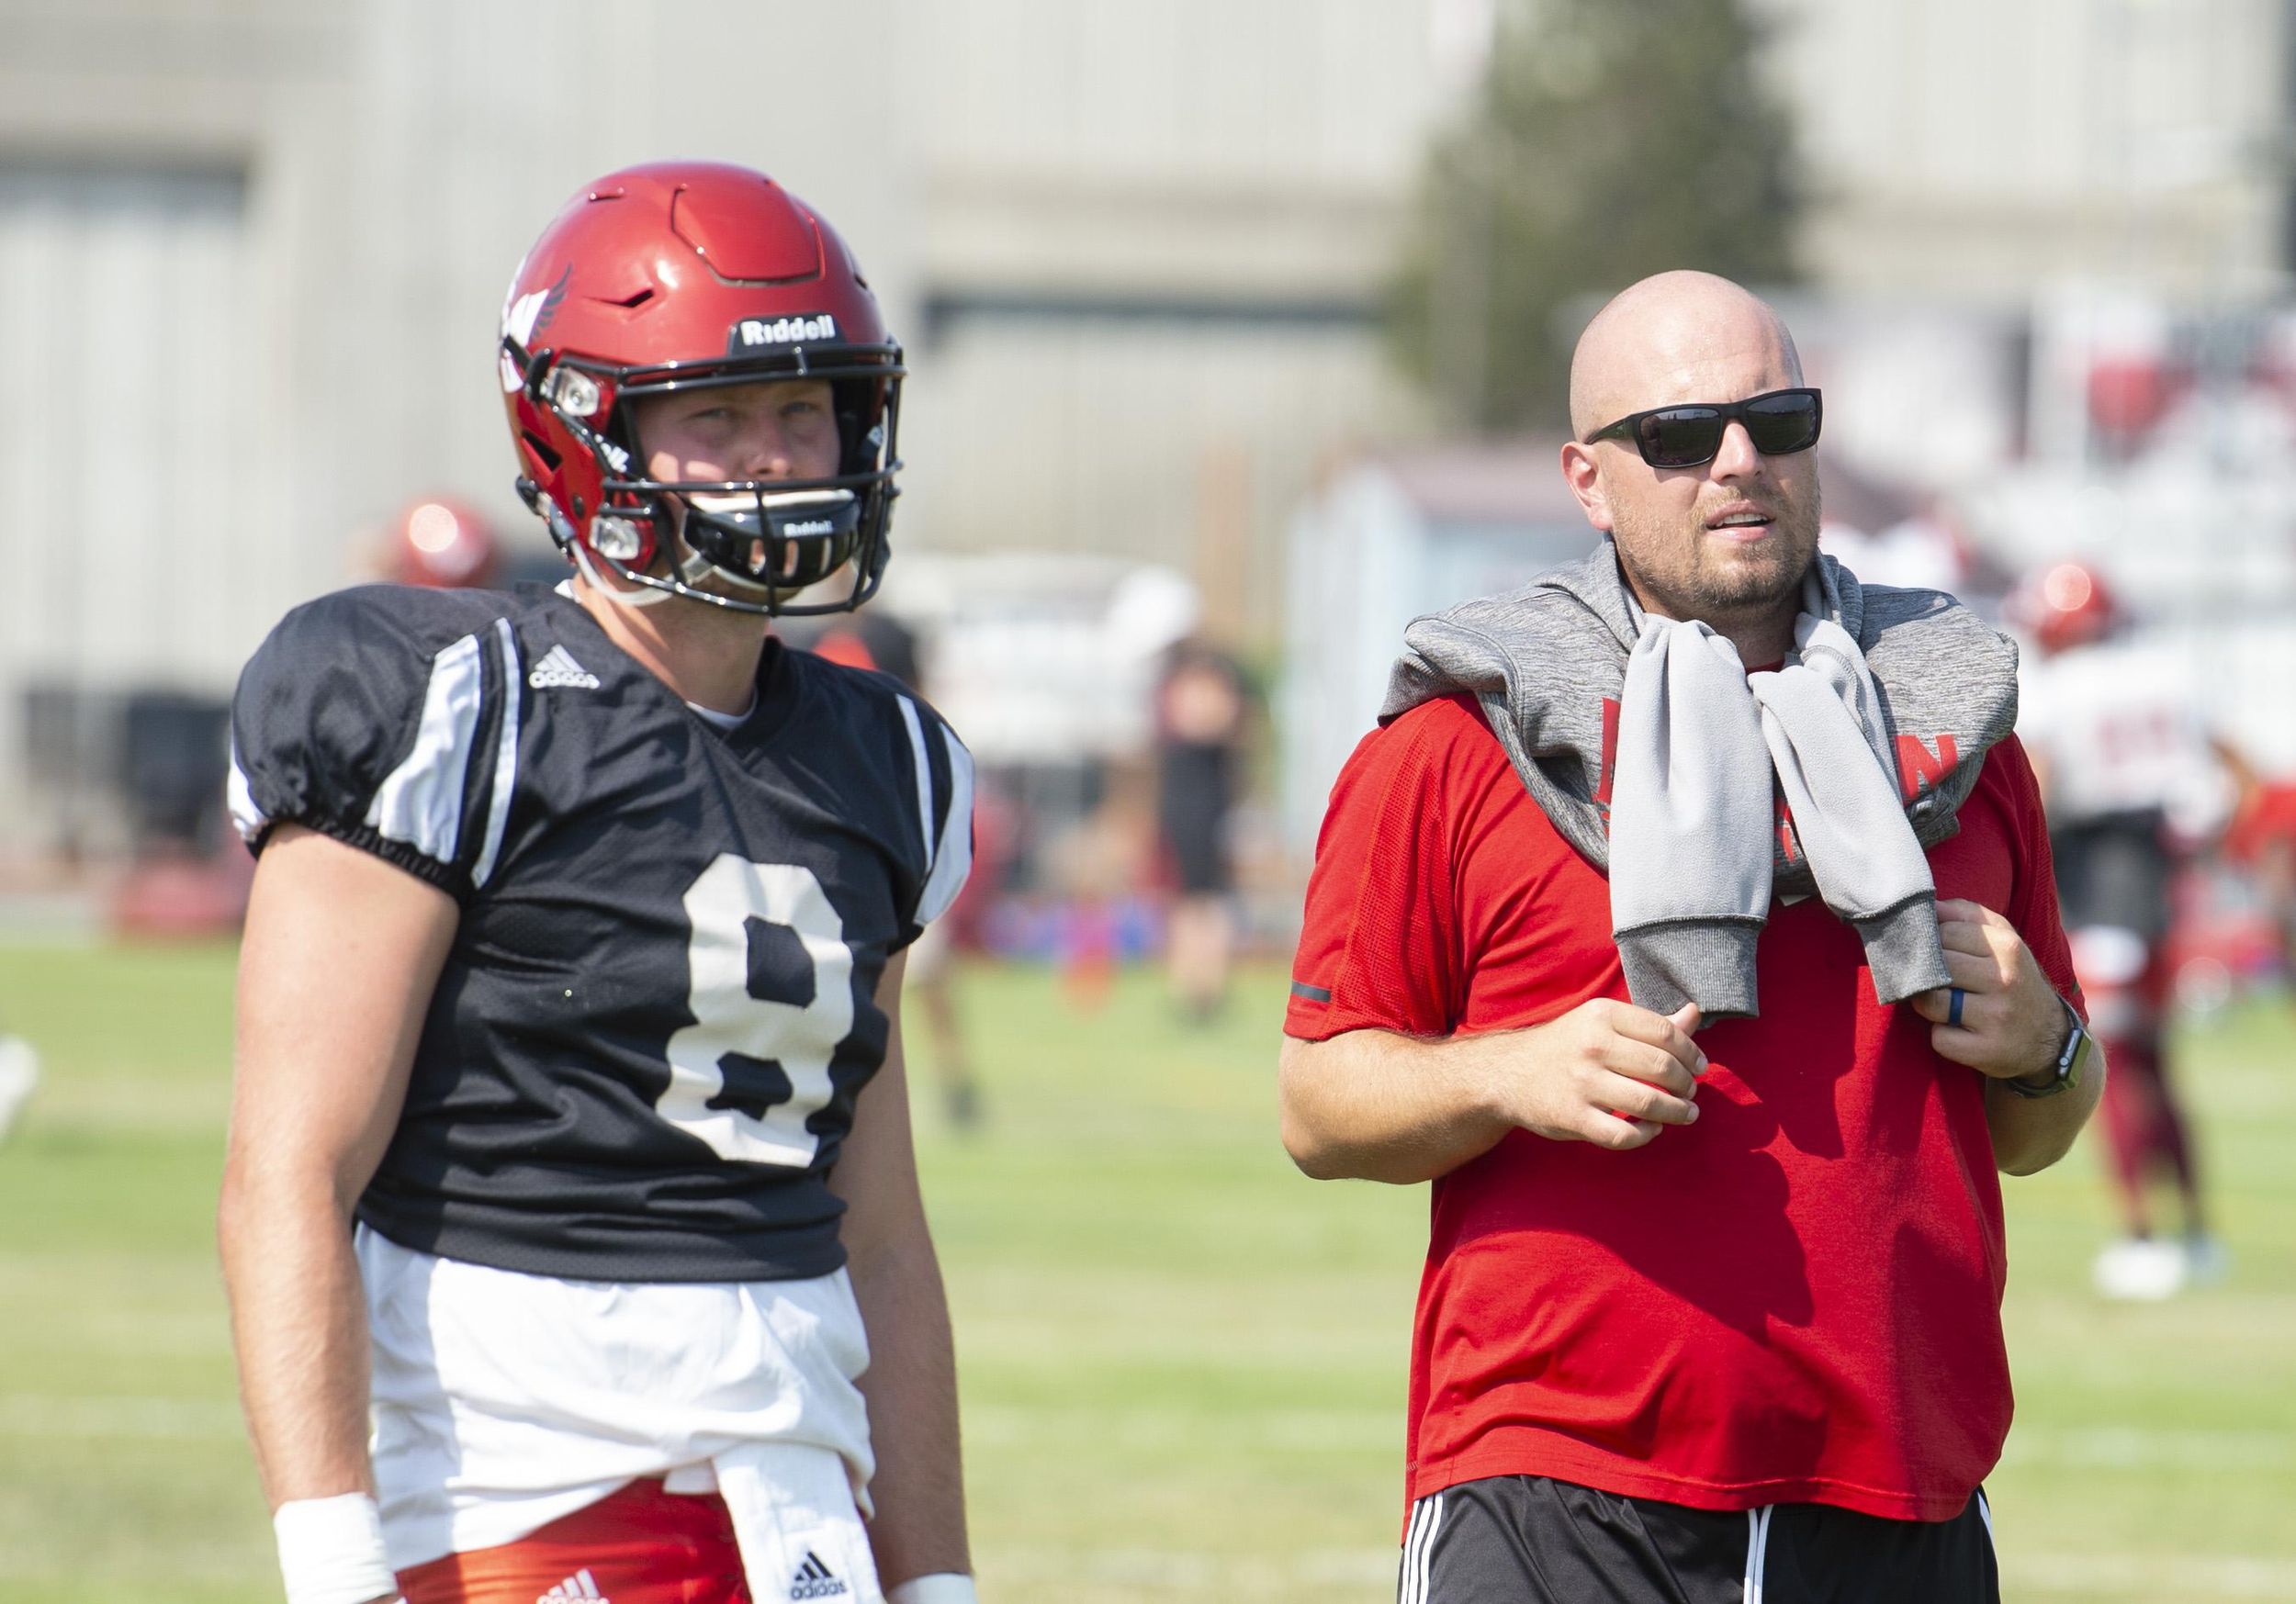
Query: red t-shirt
{"type": "Point", "coordinates": [1796, 1299]}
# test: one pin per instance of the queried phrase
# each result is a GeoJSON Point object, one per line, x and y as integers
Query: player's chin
{"type": "Point", "coordinates": [718, 582]}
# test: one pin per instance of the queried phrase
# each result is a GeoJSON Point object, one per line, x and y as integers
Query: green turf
{"type": "Point", "coordinates": [1183, 1365]}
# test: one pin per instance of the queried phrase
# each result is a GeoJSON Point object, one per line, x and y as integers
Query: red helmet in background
{"type": "Point", "coordinates": [444, 544]}
{"type": "Point", "coordinates": [2066, 605]}
{"type": "Point", "coordinates": [676, 276]}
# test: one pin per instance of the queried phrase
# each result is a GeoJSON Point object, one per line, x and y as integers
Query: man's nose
{"type": "Point", "coordinates": [1737, 457]}
{"type": "Point", "coordinates": [764, 452]}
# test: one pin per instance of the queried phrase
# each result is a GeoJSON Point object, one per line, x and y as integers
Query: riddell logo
{"type": "Point", "coordinates": [816, 1580]}
{"type": "Point", "coordinates": [755, 331]}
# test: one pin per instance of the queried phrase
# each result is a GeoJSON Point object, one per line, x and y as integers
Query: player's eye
{"type": "Point", "coordinates": [715, 423]}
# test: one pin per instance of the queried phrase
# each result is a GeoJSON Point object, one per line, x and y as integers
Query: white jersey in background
{"type": "Point", "coordinates": [2121, 727]}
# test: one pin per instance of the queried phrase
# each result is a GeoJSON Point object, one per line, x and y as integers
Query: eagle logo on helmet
{"type": "Point", "coordinates": [529, 314]}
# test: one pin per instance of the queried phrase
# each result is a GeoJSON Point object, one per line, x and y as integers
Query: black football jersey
{"type": "Point", "coordinates": [659, 1006]}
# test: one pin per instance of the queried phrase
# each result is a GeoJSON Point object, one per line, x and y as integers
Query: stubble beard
{"type": "Point", "coordinates": [1694, 577]}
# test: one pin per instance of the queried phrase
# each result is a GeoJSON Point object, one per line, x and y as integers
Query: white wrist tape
{"type": "Point", "coordinates": [940, 1587]}
{"type": "Point", "coordinates": [331, 1550]}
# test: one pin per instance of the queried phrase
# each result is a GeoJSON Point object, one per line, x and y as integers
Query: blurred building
{"type": "Point", "coordinates": [1148, 275]}
{"type": "Point", "coordinates": [1383, 539]}
{"type": "Point", "coordinates": [1972, 150]}
{"type": "Point", "coordinates": [252, 254]}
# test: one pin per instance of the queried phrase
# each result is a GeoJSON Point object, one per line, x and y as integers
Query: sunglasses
{"type": "Point", "coordinates": [1779, 423]}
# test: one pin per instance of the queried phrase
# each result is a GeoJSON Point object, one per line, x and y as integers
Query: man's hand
{"type": "Point", "coordinates": [2012, 1025]}
{"type": "Point", "coordinates": [1606, 1072]}
{"type": "Point", "coordinates": [1376, 1105]}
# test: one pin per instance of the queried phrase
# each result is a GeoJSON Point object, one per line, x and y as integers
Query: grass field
{"type": "Point", "coordinates": [1183, 1365]}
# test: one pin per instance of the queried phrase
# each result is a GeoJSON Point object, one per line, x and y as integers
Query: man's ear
{"type": "Point", "coordinates": [1585, 479]}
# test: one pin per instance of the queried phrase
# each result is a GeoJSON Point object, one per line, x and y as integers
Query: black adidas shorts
{"type": "Point", "coordinates": [1527, 1540]}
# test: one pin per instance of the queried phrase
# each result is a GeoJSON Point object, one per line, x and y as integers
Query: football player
{"type": "Point", "coordinates": [569, 1136]}
{"type": "Point", "coordinates": [2132, 777]}
{"type": "Point", "coordinates": [439, 541]}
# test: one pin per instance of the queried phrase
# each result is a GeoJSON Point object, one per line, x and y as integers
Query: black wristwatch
{"type": "Point", "coordinates": [2072, 1060]}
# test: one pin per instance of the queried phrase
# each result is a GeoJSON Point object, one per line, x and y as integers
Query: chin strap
{"type": "Point", "coordinates": [696, 569]}
{"type": "Point", "coordinates": [690, 571]}
{"type": "Point", "coordinates": [634, 596]}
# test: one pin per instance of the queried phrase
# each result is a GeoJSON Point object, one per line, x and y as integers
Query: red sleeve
{"type": "Point", "coordinates": [2033, 907]}
{"type": "Point", "coordinates": [1380, 947]}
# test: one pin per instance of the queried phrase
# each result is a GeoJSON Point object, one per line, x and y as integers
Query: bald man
{"type": "Point", "coordinates": [1689, 922]}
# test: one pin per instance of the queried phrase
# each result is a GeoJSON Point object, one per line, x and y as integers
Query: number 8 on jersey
{"type": "Point", "coordinates": [751, 1070]}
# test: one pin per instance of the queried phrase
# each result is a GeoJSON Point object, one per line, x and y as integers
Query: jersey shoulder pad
{"type": "Point", "coordinates": [377, 715]}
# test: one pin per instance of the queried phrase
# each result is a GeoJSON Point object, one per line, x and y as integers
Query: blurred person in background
{"type": "Point", "coordinates": [870, 639]}
{"type": "Point", "coordinates": [443, 544]}
{"type": "Point", "coordinates": [569, 1142]}
{"type": "Point", "coordinates": [20, 1078]}
{"type": "Point", "coordinates": [1203, 719]}
{"type": "Point", "coordinates": [1713, 1090]}
{"type": "Point", "coordinates": [1094, 864]}
{"type": "Point", "coordinates": [2133, 782]}
{"type": "Point", "coordinates": [873, 640]}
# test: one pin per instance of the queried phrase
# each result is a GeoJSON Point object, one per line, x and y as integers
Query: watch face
{"type": "Point", "coordinates": [2072, 1060]}
{"type": "Point", "coordinates": [2075, 1063]}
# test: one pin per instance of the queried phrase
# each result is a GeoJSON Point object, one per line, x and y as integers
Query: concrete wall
{"type": "Point", "coordinates": [1154, 237]}
{"type": "Point", "coordinates": [1973, 149]}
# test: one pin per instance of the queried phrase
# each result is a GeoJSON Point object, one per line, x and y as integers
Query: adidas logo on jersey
{"type": "Point", "coordinates": [558, 669]}
{"type": "Point", "coordinates": [580, 1586]}
{"type": "Point", "coordinates": [816, 1580]}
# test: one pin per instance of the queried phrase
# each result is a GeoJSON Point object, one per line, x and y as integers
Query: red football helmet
{"type": "Point", "coordinates": [444, 544]}
{"type": "Point", "coordinates": [2066, 605]}
{"type": "Point", "coordinates": [678, 275]}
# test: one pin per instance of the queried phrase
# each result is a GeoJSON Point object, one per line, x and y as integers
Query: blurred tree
{"type": "Point", "coordinates": [1607, 139]}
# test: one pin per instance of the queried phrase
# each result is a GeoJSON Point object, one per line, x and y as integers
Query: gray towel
{"type": "Point", "coordinates": [1888, 712]}
{"type": "Point", "coordinates": [1702, 750]}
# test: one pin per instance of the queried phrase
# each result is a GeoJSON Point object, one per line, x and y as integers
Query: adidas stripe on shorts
{"type": "Point", "coordinates": [1530, 1539]}
{"type": "Point", "coordinates": [641, 1545]}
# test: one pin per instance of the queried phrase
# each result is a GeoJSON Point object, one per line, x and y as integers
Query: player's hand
{"type": "Point", "coordinates": [2012, 1024]}
{"type": "Point", "coordinates": [1606, 1072]}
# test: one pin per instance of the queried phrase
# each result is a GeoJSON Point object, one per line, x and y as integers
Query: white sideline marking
{"type": "Point", "coordinates": [178, 1419]}
{"type": "Point", "coordinates": [2152, 1576]}
{"type": "Point", "coordinates": [2146, 1448]}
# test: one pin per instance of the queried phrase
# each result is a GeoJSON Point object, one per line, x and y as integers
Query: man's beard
{"type": "Point", "coordinates": [1702, 580]}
